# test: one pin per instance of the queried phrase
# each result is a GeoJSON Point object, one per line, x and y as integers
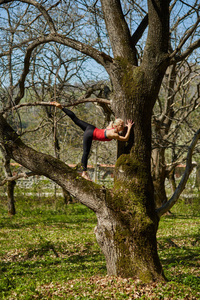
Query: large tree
{"type": "Point", "coordinates": [127, 217]}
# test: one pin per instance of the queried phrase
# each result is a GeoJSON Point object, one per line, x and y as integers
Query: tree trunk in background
{"type": "Point", "coordinates": [162, 126]}
{"type": "Point", "coordinates": [172, 180]}
{"type": "Point", "coordinates": [10, 184]}
{"type": "Point", "coordinates": [159, 176]}
{"type": "Point", "coordinates": [67, 197]}
{"type": "Point", "coordinates": [10, 197]}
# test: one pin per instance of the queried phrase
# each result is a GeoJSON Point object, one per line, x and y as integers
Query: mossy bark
{"type": "Point", "coordinates": [130, 252]}
{"type": "Point", "coordinates": [128, 237]}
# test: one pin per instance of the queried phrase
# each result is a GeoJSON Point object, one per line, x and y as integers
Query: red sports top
{"type": "Point", "coordinates": [99, 135]}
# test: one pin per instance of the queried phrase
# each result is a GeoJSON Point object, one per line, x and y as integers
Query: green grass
{"type": "Point", "coordinates": [48, 250]}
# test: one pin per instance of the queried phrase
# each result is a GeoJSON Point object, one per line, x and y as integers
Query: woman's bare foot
{"type": "Point", "coordinates": [86, 176]}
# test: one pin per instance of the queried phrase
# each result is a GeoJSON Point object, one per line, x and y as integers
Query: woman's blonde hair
{"type": "Point", "coordinates": [117, 122]}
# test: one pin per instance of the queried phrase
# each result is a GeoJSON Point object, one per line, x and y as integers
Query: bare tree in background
{"type": "Point", "coordinates": [175, 121]}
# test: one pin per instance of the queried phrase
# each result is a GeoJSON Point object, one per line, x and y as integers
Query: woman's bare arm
{"type": "Point", "coordinates": [116, 136]}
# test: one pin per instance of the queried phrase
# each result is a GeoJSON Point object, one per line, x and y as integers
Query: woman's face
{"type": "Point", "coordinates": [120, 127]}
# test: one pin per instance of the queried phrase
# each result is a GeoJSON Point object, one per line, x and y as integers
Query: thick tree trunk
{"type": "Point", "coordinates": [126, 232]}
{"type": "Point", "coordinates": [128, 235]}
{"type": "Point", "coordinates": [129, 245]}
{"type": "Point", "coordinates": [127, 218]}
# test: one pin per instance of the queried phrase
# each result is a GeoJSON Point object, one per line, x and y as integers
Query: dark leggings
{"type": "Point", "coordinates": [87, 136]}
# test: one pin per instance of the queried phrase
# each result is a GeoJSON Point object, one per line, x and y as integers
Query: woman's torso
{"type": "Point", "coordinates": [101, 134]}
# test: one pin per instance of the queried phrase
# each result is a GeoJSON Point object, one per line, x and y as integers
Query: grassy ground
{"type": "Point", "coordinates": [49, 251]}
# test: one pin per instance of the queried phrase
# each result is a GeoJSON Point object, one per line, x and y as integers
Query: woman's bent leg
{"type": "Point", "coordinates": [87, 143]}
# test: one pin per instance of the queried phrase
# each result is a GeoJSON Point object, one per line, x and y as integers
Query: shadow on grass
{"type": "Point", "coordinates": [183, 259]}
{"type": "Point", "coordinates": [75, 214]}
{"type": "Point", "coordinates": [50, 269]}
{"type": "Point", "coordinates": [47, 253]}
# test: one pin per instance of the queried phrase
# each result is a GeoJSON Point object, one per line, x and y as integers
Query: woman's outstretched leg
{"type": "Point", "coordinates": [82, 124]}
{"type": "Point", "coordinates": [87, 137]}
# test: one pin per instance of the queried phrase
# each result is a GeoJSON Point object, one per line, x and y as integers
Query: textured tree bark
{"type": "Point", "coordinates": [126, 253]}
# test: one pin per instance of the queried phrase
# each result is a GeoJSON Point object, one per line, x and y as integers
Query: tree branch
{"type": "Point", "coordinates": [17, 176]}
{"type": "Point", "coordinates": [100, 57]}
{"type": "Point", "coordinates": [191, 48]}
{"type": "Point", "coordinates": [140, 30]}
{"type": "Point", "coordinates": [87, 192]}
{"type": "Point", "coordinates": [186, 53]}
{"type": "Point", "coordinates": [157, 42]}
{"type": "Point", "coordinates": [118, 30]}
{"type": "Point", "coordinates": [40, 8]}
{"type": "Point", "coordinates": [98, 100]}
{"type": "Point", "coordinates": [168, 205]}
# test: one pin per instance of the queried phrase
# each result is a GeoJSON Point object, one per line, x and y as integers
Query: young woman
{"type": "Point", "coordinates": [93, 133]}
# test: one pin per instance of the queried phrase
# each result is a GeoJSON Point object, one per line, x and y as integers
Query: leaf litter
{"type": "Point", "coordinates": [111, 287]}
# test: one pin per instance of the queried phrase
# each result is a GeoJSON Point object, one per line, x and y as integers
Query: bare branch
{"type": "Point", "coordinates": [17, 176]}
{"type": "Point", "coordinates": [191, 48]}
{"type": "Point", "coordinates": [168, 205]}
{"type": "Point", "coordinates": [100, 57]}
{"type": "Point", "coordinates": [140, 30]}
{"type": "Point", "coordinates": [34, 130]}
{"type": "Point", "coordinates": [40, 8]}
{"type": "Point", "coordinates": [186, 53]}
{"type": "Point", "coordinates": [5, 53]}
{"type": "Point", "coordinates": [30, 39]}
{"type": "Point", "coordinates": [98, 100]}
